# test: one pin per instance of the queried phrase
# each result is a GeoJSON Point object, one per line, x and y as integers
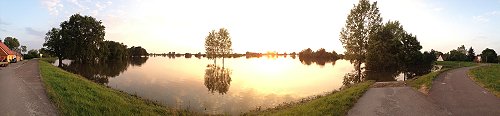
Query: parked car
{"type": "Point", "coordinates": [13, 60]}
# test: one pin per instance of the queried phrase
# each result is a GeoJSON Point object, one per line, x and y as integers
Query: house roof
{"type": "Point", "coordinates": [6, 49]}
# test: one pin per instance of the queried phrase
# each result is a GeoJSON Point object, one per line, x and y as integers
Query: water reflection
{"type": "Point", "coordinates": [217, 79]}
{"type": "Point", "coordinates": [138, 61]}
{"type": "Point", "coordinates": [101, 72]}
{"type": "Point", "coordinates": [319, 61]}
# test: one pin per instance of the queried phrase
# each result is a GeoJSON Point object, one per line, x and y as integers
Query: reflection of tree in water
{"type": "Point", "coordinates": [98, 72]}
{"type": "Point", "coordinates": [319, 61]}
{"type": "Point", "coordinates": [217, 79]}
{"type": "Point", "coordinates": [138, 61]}
{"type": "Point", "coordinates": [352, 78]}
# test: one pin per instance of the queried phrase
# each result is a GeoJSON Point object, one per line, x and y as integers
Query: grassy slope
{"type": "Point", "coordinates": [337, 103]}
{"type": "Point", "coordinates": [74, 95]}
{"type": "Point", "coordinates": [488, 77]}
{"type": "Point", "coordinates": [424, 83]}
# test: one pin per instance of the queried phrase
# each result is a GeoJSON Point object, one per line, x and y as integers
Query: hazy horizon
{"type": "Point", "coordinates": [258, 26]}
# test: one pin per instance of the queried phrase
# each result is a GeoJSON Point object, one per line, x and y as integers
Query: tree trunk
{"type": "Point", "coordinates": [60, 62]}
{"type": "Point", "coordinates": [359, 72]}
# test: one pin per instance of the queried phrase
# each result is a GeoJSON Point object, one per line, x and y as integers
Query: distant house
{"type": "Point", "coordinates": [478, 59]}
{"type": "Point", "coordinates": [6, 54]}
{"type": "Point", "coordinates": [440, 58]}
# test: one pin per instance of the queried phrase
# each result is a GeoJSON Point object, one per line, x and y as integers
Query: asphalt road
{"type": "Point", "coordinates": [456, 92]}
{"type": "Point", "coordinates": [22, 92]}
{"type": "Point", "coordinates": [395, 101]}
{"type": "Point", "coordinates": [452, 93]}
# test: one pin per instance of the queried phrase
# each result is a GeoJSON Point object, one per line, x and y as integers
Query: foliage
{"type": "Point", "coordinates": [218, 42]}
{"type": "Point", "coordinates": [114, 51]}
{"type": "Point", "coordinates": [460, 54]}
{"type": "Point", "coordinates": [384, 47]}
{"type": "Point", "coordinates": [24, 49]}
{"type": "Point", "coordinates": [137, 51]}
{"type": "Point", "coordinates": [12, 43]}
{"type": "Point", "coordinates": [83, 36]}
{"type": "Point", "coordinates": [489, 56]}
{"type": "Point", "coordinates": [363, 21]}
{"type": "Point", "coordinates": [55, 45]}
{"type": "Point", "coordinates": [488, 77]}
{"type": "Point", "coordinates": [321, 56]}
{"type": "Point", "coordinates": [471, 55]}
{"type": "Point", "coordinates": [74, 95]}
{"type": "Point", "coordinates": [32, 54]}
{"type": "Point", "coordinates": [335, 103]}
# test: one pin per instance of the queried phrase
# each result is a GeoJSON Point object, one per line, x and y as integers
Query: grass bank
{"type": "Point", "coordinates": [424, 83]}
{"type": "Point", "coordinates": [335, 103]}
{"type": "Point", "coordinates": [488, 77]}
{"type": "Point", "coordinates": [75, 95]}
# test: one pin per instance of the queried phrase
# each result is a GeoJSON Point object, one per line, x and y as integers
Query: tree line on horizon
{"type": "Point", "coordinates": [462, 54]}
{"type": "Point", "coordinates": [81, 39]}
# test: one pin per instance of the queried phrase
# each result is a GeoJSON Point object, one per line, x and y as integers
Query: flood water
{"type": "Point", "coordinates": [235, 86]}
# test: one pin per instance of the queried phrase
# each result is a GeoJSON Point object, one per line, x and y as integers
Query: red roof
{"type": "Point", "coordinates": [6, 49]}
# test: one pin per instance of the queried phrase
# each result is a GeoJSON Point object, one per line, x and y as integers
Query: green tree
{"type": "Point", "coordinates": [489, 56]}
{"type": "Point", "coordinates": [410, 56]}
{"type": "Point", "coordinates": [24, 49]}
{"type": "Point", "coordinates": [218, 43]}
{"type": "Point", "coordinates": [12, 43]}
{"type": "Point", "coordinates": [32, 54]}
{"type": "Point", "coordinates": [363, 21]}
{"type": "Point", "coordinates": [471, 55]}
{"type": "Point", "coordinates": [114, 51]}
{"type": "Point", "coordinates": [84, 36]}
{"type": "Point", "coordinates": [137, 51]}
{"type": "Point", "coordinates": [55, 45]}
{"type": "Point", "coordinates": [384, 47]}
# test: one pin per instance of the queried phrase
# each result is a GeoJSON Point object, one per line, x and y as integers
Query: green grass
{"type": "Point", "coordinates": [424, 83]}
{"type": "Point", "coordinates": [337, 103]}
{"type": "Point", "coordinates": [455, 64]}
{"type": "Point", "coordinates": [74, 95]}
{"type": "Point", "coordinates": [488, 77]}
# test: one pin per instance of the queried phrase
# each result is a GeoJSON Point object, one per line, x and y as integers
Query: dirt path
{"type": "Point", "coordinates": [456, 92]}
{"type": "Point", "coordinates": [22, 92]}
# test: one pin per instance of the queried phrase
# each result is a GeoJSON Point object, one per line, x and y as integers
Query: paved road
{"type": "Point", "coordinates": [452, 93]}
{"type": "Point", "coordinates": [22, 92]}
{"type": "Point", "coordinates": [455, 91]}
{"type": "Point", "coordinates": [395, 101]}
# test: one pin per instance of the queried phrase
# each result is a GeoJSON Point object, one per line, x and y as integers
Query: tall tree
{"type": "Point", "coordinates": [218, 43]}
{"type": "Point", "coordinates": [471, 55]}
{"type": "Point", "coordinates": [383, 48]}
{"type": "Point", "coordinates": [84, 36]}
{"type": "Point", "coordinates": [24, 49]}
{"type": "Point", "coordinates": [55, 45]}
{"type": "Point", "coordinates": [12, 43]}
{"type": "Point", "coordinates": [363, 21]}
{"type": "Point", "coordinates": [489, 56]}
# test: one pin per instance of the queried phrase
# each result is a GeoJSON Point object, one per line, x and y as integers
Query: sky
{"type": "Point", "coordinates": [163, 26]}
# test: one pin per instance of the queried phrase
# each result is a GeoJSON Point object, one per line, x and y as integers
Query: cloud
{"type": "Point", "coordinates": [485, 17]}
{"type": "Point", "coordinates": [2, 23]}
{"type": "Point", "coordinates": [54, 6]}
{"type": "Point", "coordinates": [32, 31]}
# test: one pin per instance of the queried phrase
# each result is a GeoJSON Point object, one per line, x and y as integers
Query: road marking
{"type": "Point", "coordinates": [443, 83]}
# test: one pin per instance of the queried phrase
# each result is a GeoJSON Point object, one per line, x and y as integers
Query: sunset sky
{"type": "Point", "coordinates": [255, 25]}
